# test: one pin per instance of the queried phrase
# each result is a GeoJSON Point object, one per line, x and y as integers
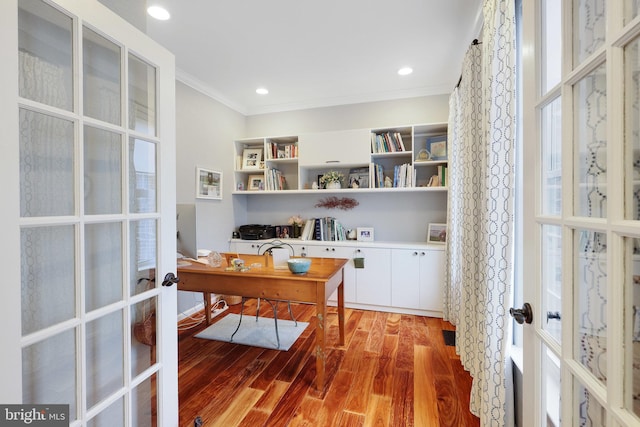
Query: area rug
{"type": "Point", "coordinates": [257, 334]}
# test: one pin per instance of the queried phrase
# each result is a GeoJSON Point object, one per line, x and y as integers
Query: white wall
{"type": "Point", "coordinates": [428, 109]}
{"type": "Point", "coordinates": [205, 130]}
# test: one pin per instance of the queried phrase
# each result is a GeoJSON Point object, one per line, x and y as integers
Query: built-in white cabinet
{"type": "Point", "coordinates": [339, 148]}
{"type": "Point", "coordinates": [373, 281]}
{"type": "Point", "coordinates": [326, 250]}
{"type": "Point", "coordinates": [417, 278]}
{"type": "Point", "coordinates": [391, 277]}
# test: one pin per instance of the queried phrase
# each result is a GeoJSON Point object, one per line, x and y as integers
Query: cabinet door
{"type": "Point", "coordinates": [244, 247]}
{"type": "Point", "coordinates": [432, 265]}
{"type": "Point", "coordinates": [405, 277]}
{"type": "Point", "coordinates": [335, 148]}
{"type": "Point", "coordinates": [373, 282]}
{"type": "Point", "coordinates": [328, 251]}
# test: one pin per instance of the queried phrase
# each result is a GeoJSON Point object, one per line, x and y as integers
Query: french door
{"type": "Point", "coordinates": [582, 232]}
{"type": "Point", "coordinates": [87, 105]}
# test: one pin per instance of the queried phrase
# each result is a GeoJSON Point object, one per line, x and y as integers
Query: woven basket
{"type": "Point", "coordinates": [145, 330]}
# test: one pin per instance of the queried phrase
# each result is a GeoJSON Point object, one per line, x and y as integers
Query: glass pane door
{"type": "Point", "coordinates": [97, 332]}
{"type": "Point", "coordinates": [582, 123]}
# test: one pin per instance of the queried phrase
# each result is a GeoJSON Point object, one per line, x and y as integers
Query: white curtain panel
{"type": "Point", "coordinates": [482, 134]}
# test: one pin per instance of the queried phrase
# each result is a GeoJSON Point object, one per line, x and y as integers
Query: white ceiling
{"type": "Point", "coordinates": [315, 54]}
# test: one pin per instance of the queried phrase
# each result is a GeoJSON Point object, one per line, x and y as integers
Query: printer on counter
{"type": "Point", "coordinates": [257, 232]}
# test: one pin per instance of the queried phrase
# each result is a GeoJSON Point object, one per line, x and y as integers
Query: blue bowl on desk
{"type": "Point", "coordinates": [299, 265]}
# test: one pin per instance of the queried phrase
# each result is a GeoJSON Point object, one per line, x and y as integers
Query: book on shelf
{"type": "Point", "coordinates": [387, 142]}
{"type": "Point", "coordinates": [281, 151]}
{"type": "Point", "coordinates": [442, 175]}
{"type": "Point", "coordinates": [275, 180]}
{"type": "Point", "coordinates": [402, 175]}
{"type": "Point", "coordinates": [323, 229]}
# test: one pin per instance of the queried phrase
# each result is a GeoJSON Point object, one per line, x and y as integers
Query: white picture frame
{"type": "Point", "coordinates": [251, 158]}
{"type": "Point", "coordinates": [208, 184]}
{"type": "Point", "coordinates": [364, 234]}
{"type": "Point", "coordinates": [255, 182]}
{"type": "Point", "coordinates": [437, 234]}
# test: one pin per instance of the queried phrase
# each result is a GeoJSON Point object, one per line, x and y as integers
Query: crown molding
{"type": "Point", "coordinates": [207, 90]}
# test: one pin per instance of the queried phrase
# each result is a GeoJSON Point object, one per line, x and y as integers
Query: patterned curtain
{"type": "Point", "coordinates": [482, 135]}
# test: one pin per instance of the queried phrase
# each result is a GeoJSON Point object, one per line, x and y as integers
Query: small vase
{"type": "Point", "coordinates": [296, 231]}
{"type": "Point", "coordinates": [333, 185]}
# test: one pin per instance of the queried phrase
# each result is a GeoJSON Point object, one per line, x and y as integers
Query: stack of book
{"type": "Point", "coordinates": [327, 229]}
{"type": "Point", "coordinates": [281, 151]}
{"type": "Point", "coordinates": [377, 175]}
{"type": "Point", "coordinates": [275, 180]}
{"type": "Point", "coordinates": [387, 142]}
{"type": "Point", "coordinates": [402, 175]}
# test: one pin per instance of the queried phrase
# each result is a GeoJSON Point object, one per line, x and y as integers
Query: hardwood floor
{"type": "Point", "coordinates": [394, 370]}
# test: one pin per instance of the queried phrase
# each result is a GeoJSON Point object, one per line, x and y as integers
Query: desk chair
{"type": "Point", "coordinates": [262, 250]}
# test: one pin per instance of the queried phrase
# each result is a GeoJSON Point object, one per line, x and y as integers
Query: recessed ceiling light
{"type": "Point", "coordinates": [158, 12]}
{"type": "Point", "coordinates": [262, 91]}
{"type": "Point", "coordinates": [405, 71]}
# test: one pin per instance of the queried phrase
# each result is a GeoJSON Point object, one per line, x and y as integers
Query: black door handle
{"type": "Point", "coordinates": [522, 315]}
{"type": "Point", "coordinates": [169, 279]}
{"type": "Point", "coordinates": [553, 315]}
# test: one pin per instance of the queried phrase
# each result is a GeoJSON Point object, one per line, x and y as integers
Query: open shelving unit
{"type": "Point", "coordinates": [293, 164]}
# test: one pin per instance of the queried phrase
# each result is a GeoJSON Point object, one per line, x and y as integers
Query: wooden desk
{"type": "Point", "coordinates": [324, 277]}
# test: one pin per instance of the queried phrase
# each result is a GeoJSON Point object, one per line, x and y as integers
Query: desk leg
{"type": "Point", "coordinates": [207, 306]}
{"type": "Point", "coordinates": [341, 310]}
{"type": "Point", "coordinates": [321, 314]}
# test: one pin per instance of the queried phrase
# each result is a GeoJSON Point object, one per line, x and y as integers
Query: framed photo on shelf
{"type": "Point", "coordinates": [208, 184]}
{"type": "Point", "coordinates": [437, 234]}
{"type": "Point", "coordinates": [256, 182]}
{"type": "Point", "coordinates": [251, 158]}
{"type": "Point", "coordinates": [437, 147]}
{"type": "Point", "coordinates": [365, 234]}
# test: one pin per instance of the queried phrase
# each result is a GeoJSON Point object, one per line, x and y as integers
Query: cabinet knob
{"type": "Point", "coordinates": [422, 253]}
{"type": "Point", "coordinates": [333, 249]}
{"type": "Point", "coordinates": [415, 253]}
{"type": "Point", "coordinates": [358, 250]}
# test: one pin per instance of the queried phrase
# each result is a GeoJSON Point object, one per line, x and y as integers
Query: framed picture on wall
{"type": "Point", "coordinates": [437, 234]}
{"type": "Point", "coordinates": [208, 184]}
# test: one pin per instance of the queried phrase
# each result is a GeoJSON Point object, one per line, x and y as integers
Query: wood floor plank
{"type": "Point", "coordinates": [402, 400]}
{"type": "Point", "coordinates": [378, 412]}
{"type": "Point", "coordinates": [404, 358]}
{"type": "Point", "coordinates": [450, 413]}
{"type": "Point", "coordinates": [358, 398]}
{"type": "Point", "coordinates": [383, 379]}
{"type": "Point", "coordinates": [240, 406]}
{"type": "Point", "coordinates": [260, 387]}
{"type": "Point", "coordinates": [349, 419]}
{"type": "Point", "coordinates": [425, 406]}
{"type": "Point", "coordinates": [306, 414]}
{"type": "Point", "coordinates": [354, 351]}
{"type": "Point", "coordinates": [393, 324]}
{"type": "Point", "coordinates": [333, 403]}
{"type": "Point", "coordinates": [286, 408]}
{"type": "Point", "coordinates": [376, 334]}
{"type": "Point", "coordinates": [272, 395]}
